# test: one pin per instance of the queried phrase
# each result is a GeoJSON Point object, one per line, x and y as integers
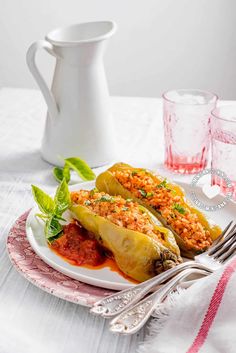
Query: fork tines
{"type": "Point", "coordinates": [225, 246]}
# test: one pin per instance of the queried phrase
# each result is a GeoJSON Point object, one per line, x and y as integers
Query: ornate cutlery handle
{"type": "Point", "coordinates": [131, 320]}
{"type": "Point", "coordinates": [118, 302]}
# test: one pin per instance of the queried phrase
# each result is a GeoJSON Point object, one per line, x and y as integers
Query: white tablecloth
{"type": "Point", "coordinates": [30, 319]}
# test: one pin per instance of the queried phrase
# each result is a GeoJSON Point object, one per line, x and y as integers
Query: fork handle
{"type": "Point", "coordinates": [118, 302]}
{"type": "Point", "coordinates": [133, 319]}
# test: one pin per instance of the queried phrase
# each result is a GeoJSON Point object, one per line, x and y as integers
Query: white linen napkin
{"type": "Point", "coordinates": [200, 319]}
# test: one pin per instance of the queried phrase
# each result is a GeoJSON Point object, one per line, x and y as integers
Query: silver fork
{"type": "Point", "coordinates": [118, 302]}
{"type": "Point", "coordinates": [132, 319]}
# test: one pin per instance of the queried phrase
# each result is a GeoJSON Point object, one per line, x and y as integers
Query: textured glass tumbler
{"type": "Point", "coordinates": [223, 142]}
{"type": "Point", "coordinates": [187, 114]}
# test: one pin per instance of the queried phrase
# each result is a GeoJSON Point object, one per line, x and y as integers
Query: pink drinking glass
{"type": "Point", "coordinates": [223, 146]}
{"type": "Point", "coordinates": [187, 114]}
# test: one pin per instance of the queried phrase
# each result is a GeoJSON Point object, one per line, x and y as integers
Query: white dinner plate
{"type": "Point", "coordinates": [104, 277]}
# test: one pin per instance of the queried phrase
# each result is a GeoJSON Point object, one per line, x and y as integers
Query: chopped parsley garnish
{"type": "Point", "coordinates": [106, 198]}
{"type": "Point", "coordinates": [150, 194]}
{"type": "Point", "coordinates": [163, 184]}
{"type": "Point", "coordinates": [134, 172]}
{"type": "Point", "coordinates": [87, 202]}
{"type": "Point", "coordinates": [179, 208]}
{"type": "Point", "coordinates": [143, 192]}
{"type": "Point", "coordinates": [92, 192]}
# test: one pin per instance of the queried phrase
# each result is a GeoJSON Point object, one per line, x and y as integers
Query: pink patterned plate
{"type": "Point", "coordinates": [35, 270]}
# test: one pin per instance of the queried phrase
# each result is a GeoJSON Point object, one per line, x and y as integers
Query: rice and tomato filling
{"type": "Point", "coordinates": [124, 213]}
{"type": "Point", "coordinates": [171, 206]}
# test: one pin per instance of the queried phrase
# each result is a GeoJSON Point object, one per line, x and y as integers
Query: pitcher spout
{"type": "Point", "coordinates": [82, 33]}
{"type": "Point", "coordinates": [81, 44]}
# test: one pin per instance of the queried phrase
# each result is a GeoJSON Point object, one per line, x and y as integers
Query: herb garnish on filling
{"type": "Point", "coordinates": [150, 194]}
{"type": "Point", "coordinates": [179, 208]}
{"type": "Point", "coordinates": [106, 198]}
{"type": "Point", "coordinates": [87, 202]}
{"type": "Point", "coordinates": [143, 192]}
{"type": "Point", "coordinates": [134, 172]}
{"type": "Point", "coordinates": [92, 192]}
{"type": "Point", "coordinates": [163, 184]}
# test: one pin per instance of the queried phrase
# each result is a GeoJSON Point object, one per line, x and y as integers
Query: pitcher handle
{"type": "Point", "coordinates": [30, 59]}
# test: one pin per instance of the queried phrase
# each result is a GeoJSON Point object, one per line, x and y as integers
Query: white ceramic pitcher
{"type": "Point", "coordinates": [79, 121]}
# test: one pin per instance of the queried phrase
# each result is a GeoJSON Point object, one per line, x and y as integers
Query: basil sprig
{"type": "Point", "coordinates": [61, 173]}
{"type": "Point", "coordinates": [78, 165]}
{"type": "Point", "coordinates": [52, 209]}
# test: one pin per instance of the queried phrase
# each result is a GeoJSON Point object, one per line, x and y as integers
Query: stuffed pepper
{"type": "Point", "coordinates": [140, 245]}
{"type": "Point", "coordinates": [193, 232]}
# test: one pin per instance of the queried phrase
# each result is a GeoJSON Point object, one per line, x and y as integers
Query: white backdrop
{"type": "Point", "coordinates": [160, 44]}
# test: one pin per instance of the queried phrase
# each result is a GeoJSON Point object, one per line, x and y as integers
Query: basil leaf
{"type": "Point", "coordinates": [42, 216]}
{"type": "Point", "coordinates": [81, 168]}
{"type": "Point", "coordinates": [58, 173]}
{"type": "Point", "coordinates": [62, 198]}
{"type": "Point", "coordinates": [59, 218]}
{"type": "Point", "coordinates": [66, 172]}
{"type": "Point", "coordinates": [61, 173]}
{"type": "Point", "coordinates": [52, 209]}
{"type": "Point", "coordinates": [52, 228]}
{"type": "Point", "coordinates": [44, 201]}
{"type": "Point", "coordinates": [52, 239]}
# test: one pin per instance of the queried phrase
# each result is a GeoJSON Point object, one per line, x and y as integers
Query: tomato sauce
{"type": "Point", "coordinates": [80, 248]}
